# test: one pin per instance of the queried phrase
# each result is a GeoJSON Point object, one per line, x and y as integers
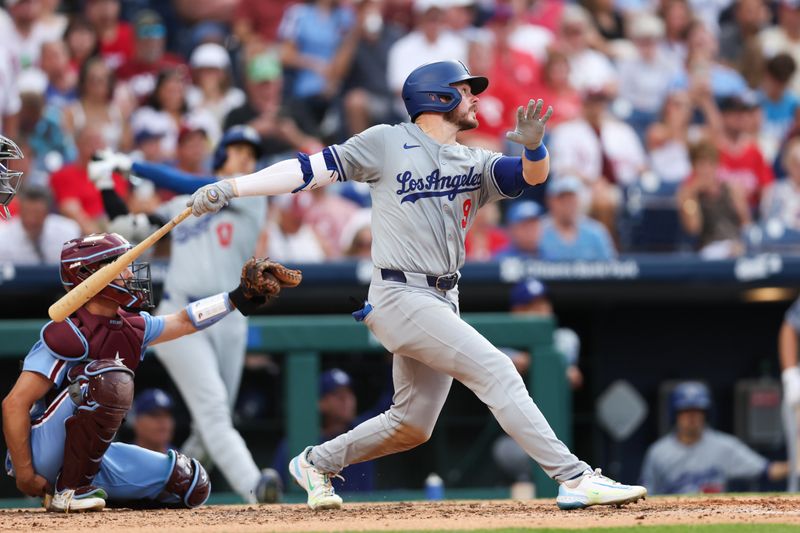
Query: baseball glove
{"type": "Point", "coordinates": [262, 280]}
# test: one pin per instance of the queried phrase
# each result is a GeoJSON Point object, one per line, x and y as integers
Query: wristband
{"type": "Point", "coordinates": [209, 311]}
{"type": "Point", "coordinates": [536, 155]}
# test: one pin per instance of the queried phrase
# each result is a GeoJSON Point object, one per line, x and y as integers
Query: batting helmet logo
{"type": "Point", "coordinates": [430, 87]}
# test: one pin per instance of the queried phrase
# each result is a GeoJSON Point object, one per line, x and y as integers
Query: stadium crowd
{"type": "Point", "coordinates": [674, 127]}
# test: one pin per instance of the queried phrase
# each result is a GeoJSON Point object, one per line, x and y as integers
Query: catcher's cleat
{"type": "Point", "coordinates": [269, 488]}
{"type": "Point", "coordinates": [593, 488]}
{"type": "Point", "coordinates": [317, 484]}
{"type": "Point", "coordinates": [81, 500]}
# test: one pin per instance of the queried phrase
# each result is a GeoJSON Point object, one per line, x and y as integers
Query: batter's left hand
{"type": "Point", "coordinates": [530, 125]}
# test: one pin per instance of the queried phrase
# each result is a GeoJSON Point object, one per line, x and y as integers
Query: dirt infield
{"type": "Point", "coordinates": [414, 516]}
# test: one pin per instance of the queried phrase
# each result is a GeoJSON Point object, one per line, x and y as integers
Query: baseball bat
{"type": "Point", "coordinates": [85, 291]}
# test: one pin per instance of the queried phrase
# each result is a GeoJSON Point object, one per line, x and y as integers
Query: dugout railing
{"type": "Point", "coordinates": [303, 339]}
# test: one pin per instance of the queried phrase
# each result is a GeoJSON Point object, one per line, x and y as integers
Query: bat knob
{"type": "Point", "coordinates": [212, 195]}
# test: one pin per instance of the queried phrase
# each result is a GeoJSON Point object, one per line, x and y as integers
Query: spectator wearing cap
{"type": "Point", "coordinates": [318, 40]}
{"type": "Point", "coordinates": [338, 409]}
{"type": "Point", "coordinates": [35, 235]}
{"type": "Point", "coordinates": [741, 160]}
{"type": "Point", "coordinates": [588, 67]}
{"type": "Point", "coordinates": [739, 44]}
{"type": "Point", "coordinates": [212, 88]}
{"type": "Point", "coordinates": [27, 35]}
{"type": "Point", "coordinates": [428, 41]}
{"type": "Point", "coordinates": [781, 200]}
{"type": "Point", "coordinates": [256, 23]}
{"type": "Point", "coordinates": [785, 37]}
{"type": "Point", "coordinates": [567, 235]}
{"type": "Point", "coordinates": [485, 239]}
{"type": "Point", "coordinates": [95, 106]}
{"type": "Point", "coordinates": [644, 79]}
{"type": "Point", "coordinates": [523, 221]}
{"type": "Point", "coordinates": [694, 458]}
{"type": "Point", "coordinates": [116, 37]}
{"type": "Point", "coordinates": [367, 97]}
{"type": "Point", "coordinates": [62, 81]}
{"type": "Point", "coordinates": [604, 152]}
{"type": "Point", "coordinates": [152, 420]}
{"type": "Point", "coordinates": [75, 195]}
{"type": "Point", "coordinates": [712, 210]}
{"type": "Point", "coordinates": [265, 111]}
{"type": "Point", "coordinates": [150, 57]}
{"type": "Point", "coordinates": [779, 104]}
{"type": "Point", "coordinates": [147, 143]}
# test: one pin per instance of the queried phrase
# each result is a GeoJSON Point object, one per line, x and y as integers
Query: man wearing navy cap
{"type": "Point", "coordinates": [153, 423]}
{"type": "Point", "coordinates": [524, 229]}
{"type": "Point", "coordinates": [567, 235]}
{"type": "Point", "coordinates": [338, 413]}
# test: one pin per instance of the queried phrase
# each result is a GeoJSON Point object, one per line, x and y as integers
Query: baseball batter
{"type": "Point", "coordinates": [206, 255]}
{"type": "Point", "coordinates": [425, 191]}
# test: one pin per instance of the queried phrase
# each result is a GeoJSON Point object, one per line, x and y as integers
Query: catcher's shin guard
{"type": "Point", "coordinates": [105, 400]}
{"type": "Point", "coordinates": [188, 484]}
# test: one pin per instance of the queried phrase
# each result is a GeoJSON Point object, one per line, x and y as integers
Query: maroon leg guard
{"type": "Point", "coordinates": [188, 483]}
{"type": "Point", "coordinates": [106, 400]}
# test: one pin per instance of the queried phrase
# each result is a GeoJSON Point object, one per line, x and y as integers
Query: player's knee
{"type": "Point", "coordinates": [188, 483]}
{"type": "Point", "coordinates": [110, 384]}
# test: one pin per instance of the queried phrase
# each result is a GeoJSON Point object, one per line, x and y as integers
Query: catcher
{"type": "Point", "coordinates": [76, 386]}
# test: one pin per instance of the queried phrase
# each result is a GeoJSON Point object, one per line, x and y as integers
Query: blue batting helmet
{"type": "Point", "coordinates": [235, 135]}
{"type": "Point", "coordinates": [426, 84]}
{"type": "Point", "coordinates": [690, 395]}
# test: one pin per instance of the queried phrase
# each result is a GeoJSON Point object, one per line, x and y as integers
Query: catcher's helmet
{"type": "Point", "coordinates": [690, 395]}
{"type": "Point", "coordinates": [424, 86]}
{"type": "Point", "coordinates": [234, 135]}
{"type": "Point", "coordinates": [82, 257]}
{"type": "Point", "coordinates": [9, 179]}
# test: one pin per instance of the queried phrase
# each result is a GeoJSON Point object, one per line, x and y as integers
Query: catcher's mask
{"type": "Point", "coordinates": [9, 179]}
{"type": "Point", "coordinates": [82, 257]}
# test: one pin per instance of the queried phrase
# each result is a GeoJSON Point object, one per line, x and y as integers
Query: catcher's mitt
{"type": "Point", "coordinates": [262, 277]}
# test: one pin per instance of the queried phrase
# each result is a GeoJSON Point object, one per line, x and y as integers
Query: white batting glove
{"type": "Point", "coordinates": [119, 162]}
{"type": "Point", "coordinates": [100, 174]}
{"type": "Point", "coordinates": [530, 125]}
{"type": "Point", "coordinates": [791, 385]}
{"type": "Point", "coordinates": [211, 198]}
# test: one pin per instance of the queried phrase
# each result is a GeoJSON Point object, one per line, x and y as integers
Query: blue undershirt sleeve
{"type": "Point", "coordinates": [170, 178]}
{"type": "Point", "coordinates": [508, 176]}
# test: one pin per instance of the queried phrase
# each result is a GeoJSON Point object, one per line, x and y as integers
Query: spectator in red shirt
{"type": "Point", "coordinates": [116, 36]}
{"type": "Point", "coordinates": [486, 238]}
{"type": "Point", "coordinates": [741, 160]}
{"type": "Point", "coordinates": [75, 195]}
{"type": "Point", "coordinates": [150, 56]}
{"type": "Point", "coordinates": [255, 22]}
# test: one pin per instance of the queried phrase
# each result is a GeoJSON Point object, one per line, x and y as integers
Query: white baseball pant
{"type": "Point", "coordinates": [207, 369]}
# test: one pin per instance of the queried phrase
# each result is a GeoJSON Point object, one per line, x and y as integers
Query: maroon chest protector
{"type": "Point", "coordinates": [84, 336]}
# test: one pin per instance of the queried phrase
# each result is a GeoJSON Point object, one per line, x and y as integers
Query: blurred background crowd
{"type": "Point", "coordinates": [674, 126]}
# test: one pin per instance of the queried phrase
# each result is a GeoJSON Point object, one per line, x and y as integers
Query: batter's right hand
{"type": "Point", "coordinates": [211, 198]}
{"type": "Point", "coordinates": [35, 486]}
{"type": "Point", "coordinates": [791, 386]}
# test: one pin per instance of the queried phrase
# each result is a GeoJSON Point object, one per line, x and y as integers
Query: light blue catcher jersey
{"type": "Point", "coordinates": [671, 467]}
{"type": "Point", "coordinates": [42, 361]}
{"type": "Point", "coordinates": [424, 194]}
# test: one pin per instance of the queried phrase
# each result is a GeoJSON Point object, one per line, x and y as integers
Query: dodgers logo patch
{"type": "Point", "coordinates": [434, 184]}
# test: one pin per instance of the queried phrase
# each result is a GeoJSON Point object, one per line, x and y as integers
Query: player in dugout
{"type": "Point", "coordinates": [76, 386]}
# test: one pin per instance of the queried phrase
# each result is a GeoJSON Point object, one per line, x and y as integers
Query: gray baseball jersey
{"type": "Point", "coordinates": [208, 252]}
{"type": "Point", "coordinates": [424, 194]}
{"type": "Point", "coordinates": [671, 467]}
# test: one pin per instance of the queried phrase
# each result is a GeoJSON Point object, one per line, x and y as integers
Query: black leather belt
{"type": "Point", "coordinates": [442, 283]}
